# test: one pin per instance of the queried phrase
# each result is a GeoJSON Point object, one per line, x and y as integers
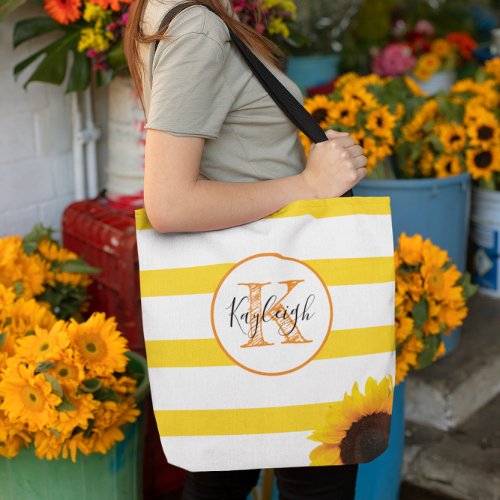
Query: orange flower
{"type": "Point", "coordinates": [110, 4]}
{"type": "Point", "coordinates": [63, 11]}
{"type": "Point", "coordinates": [465, 43]}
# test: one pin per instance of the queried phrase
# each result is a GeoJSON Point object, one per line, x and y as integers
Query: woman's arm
{"type": "Point", "coordinates": [177, 201]}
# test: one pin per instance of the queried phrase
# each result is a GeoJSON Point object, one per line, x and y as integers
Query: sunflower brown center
{"type": "Point", "coordinates": [32, 398]}
{"type": "Point", "coordinates": [44, 346]}
{"type": "Point", "coordinates": [90, 346]}
{"type": "Point", "coordinates": [366, 439]}
{"type": "Point", "coordinates": [344, 113]}
{"type": "Point", "coordinates": [63, 372]}
{"type": "Point", "coordinates": [380, 122]}
{"type": "Point", "coordinates": [483, 159]}
{"type": "Point", "coordinates": [320, 114]}
{"type": "Point", "coordinates": [454, 138]}
{"type": "Point", "coordinates": [485, 133]}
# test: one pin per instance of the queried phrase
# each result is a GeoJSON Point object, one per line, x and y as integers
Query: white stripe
{"type": "Point", "coordinates": [231, 387]}
{"type": "Point", "coordinates": [354, 306]}
{"type": "Point", "coordinates": [303, 238]}
{"type": "Point", "coordinates": [218, 453]}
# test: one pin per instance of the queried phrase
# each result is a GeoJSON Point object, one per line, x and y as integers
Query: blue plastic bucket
{"type": "Point", "coordinates": [313, 71]}
{"type": "Point", "coordinates": [438, 209]}
{"type": "Point", "coordinates": [380, 479]}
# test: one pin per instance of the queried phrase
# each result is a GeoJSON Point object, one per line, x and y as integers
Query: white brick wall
{"type": "Point", "coordinates": [36, 171]}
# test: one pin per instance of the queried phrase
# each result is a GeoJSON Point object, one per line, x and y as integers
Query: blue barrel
{"type": "Point", "coordinates": [380, 479]}
{"type": "Point", "coordinates": [438, 209]}
{"type": "Point", "coordinates": [313, 71]}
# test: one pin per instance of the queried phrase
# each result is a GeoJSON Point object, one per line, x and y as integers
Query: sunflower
{"type": "Point", "coordinates": [429, 63]}
{"type": "Point", "coordinates": [404, 327]}
{"type": "Point", "coordinates": [483, 162]}
{"type": "Point", "coordinates": [407, 357]}
{"type": "Point", "coordinates": [452, 136]}
{"type": "Point", "coordinates": [306, 143]}
{"type": "Point", "coordinates": [68, 371]}
{"type": "Point", "coordinates": [99, 345]}
{"type": "Point", "coordinates": [44, 345]}
{"type": "Point", "coordinates": [346, 79]}
{"type": "Point", "coordinates": [426, 162]}
{"type": "Point", "coordinates": [13, 437]}
{"type": "Point", "coordinates": [63, 11]}
{"type": "Point", "coordinates": [474, 113]}
{"type": "Point", "coordinates": [320, 107]}
{"type": "Point", "coordinates": [410, 249]}
{"type": "Point", "coordinates": [84, 406]}
{"type": "Point", "coordinates": [361, 97]}
{"type": "Point", "coordinates": [453, 315]}
{"type": "Point", "coordinates": [382, 122]}
{"type": "Point", "coordinates": [48, 444]}
{"type": "Point", "coordinates": [492, 68]}
{"type": "Point", "coordinates": [357, 428]}
{"type": "Point", "coordinates": [484, 131]}
{"type": "Point", "coordinates": [344, 113]}
{"type": "Point", "coordinates": [448, 166]}
{"type": "Point", "coordinates": [28, 397]}
{"type": "Point", "coordinates": [441, 47]}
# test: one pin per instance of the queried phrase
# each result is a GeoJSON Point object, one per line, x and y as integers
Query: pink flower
{"type": "Point", "coordinates": [395, 59]}
{"type": "Point", "coordinates": [424, 27]}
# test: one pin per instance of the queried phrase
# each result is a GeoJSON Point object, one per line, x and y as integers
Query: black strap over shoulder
{"type": "Point", "coordinates": [285, 100]}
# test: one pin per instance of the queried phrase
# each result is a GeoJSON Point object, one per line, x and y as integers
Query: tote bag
{"type": "Point", "coordinates": [272, 344]}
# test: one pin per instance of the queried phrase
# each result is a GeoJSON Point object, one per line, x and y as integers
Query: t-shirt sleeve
{"type": "Point", "coordinates": [189, 93]}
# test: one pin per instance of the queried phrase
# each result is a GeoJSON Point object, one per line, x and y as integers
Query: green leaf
{"type": "Point", "coordinates": [79, 77]}
{"type": "Point", "coordinates": [29, 333]}
{"type": "Point", "coordinates": [104, 77]}
{"type": "Point", "coordinates": [8, 6]}
{"type": "Point", "coordinates": [416, 150]}
{"type": "Point", "coordinates": [52, 68]}
{"type": "Point", "coordinates": [31, 28]}
{"type": "Point", "coordinates": [469, 290]}
{"type": "Point", "coordinates": [116, 57]}
{"type": "Point", "coordinates": [106, 394]}
{"type": "Point", "coordinates": [35, 236]}
{"type": "Point", "coordinates": [420, 313]}
{"type": "Point", "coordinates": [431, 345]}
{"type": "Point", "coordinates": [65, 405]}
{"type": "Point", "coordinates": [436, 143]}
{"type": "Point", "coordinates": [43, 366]}
{"type": "Point", "coordinates": [3, 338]}
{"type": "Point", "coordinates": [78, 266]}
{"type": "Point", "coordinates": [18, 288]}
{"type": "Point", "coordinates": [56, 387]}
{"type": "Point", "coordinates": [7, 322]}
{"type": "Point", "coordinates": [92, 385]}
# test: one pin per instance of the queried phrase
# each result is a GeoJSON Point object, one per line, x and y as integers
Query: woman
{"type": "Point", "coordinates": [220, 153]}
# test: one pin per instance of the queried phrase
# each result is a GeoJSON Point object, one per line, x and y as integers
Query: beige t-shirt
{"type": "Point", "coordinates": [197, 84]}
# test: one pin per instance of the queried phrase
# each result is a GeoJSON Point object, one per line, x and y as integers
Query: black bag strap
{"type": "Point", "coordinates": [285, 100]}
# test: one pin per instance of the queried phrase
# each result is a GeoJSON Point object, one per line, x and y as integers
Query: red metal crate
{"type": "Point", "coordinates": [105, 238]}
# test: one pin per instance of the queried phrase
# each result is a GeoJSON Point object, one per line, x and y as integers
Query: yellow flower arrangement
{"type": "Point", "coordinates": [366, 108]}
{"type": "Point", "coordinates": [37, 267]}
{"type": "Point", "coordinates": [431, 301]}
{"type": "Point", "coordinates": [64, 386]}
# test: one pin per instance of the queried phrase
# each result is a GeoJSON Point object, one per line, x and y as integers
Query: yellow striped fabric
{"type": "Point", "coordinates": [207, 352]}
{"type": "Point", "coordinates": [204, 279]}
{"type": "Point", "coordinates": [334, 207]}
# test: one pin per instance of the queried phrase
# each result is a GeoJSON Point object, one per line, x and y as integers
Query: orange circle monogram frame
{"type": "Point", "coordinates": [271, 314]}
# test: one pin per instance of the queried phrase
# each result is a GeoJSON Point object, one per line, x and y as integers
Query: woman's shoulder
{"type": "Point", "coordinates": [194, 20]}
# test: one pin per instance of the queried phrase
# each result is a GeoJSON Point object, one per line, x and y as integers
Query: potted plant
{"type": "Point", "coordinates": [430, 153]}
{"type": "Point", "coordinates": [431, 60]}
{"type": "Point", "coordinates": [484, 160]}
{"type": "Point", "coordinates": [69, 390]}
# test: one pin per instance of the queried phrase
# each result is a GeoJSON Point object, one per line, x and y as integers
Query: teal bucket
{"type": "Point", "coordinates": [438, 209]}
{"type": "Point", "coordinates": [312, 71]}
{"type": "Point", "coordinates": [380, 479]}
{"type": "Point", "coordinates": [115, 475]}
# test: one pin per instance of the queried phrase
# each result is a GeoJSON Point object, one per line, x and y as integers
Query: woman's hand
{"type": "Point", "coordinates": [334, 166]}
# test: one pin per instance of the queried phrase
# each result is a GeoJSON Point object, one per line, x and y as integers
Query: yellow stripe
{"type": "Point", "coordinates": [205, 279]}
{"type": "Point", "coordinates": [207, 352]}
{"type": "Point", "coordinates": [243, 421]}
{"type": "Point", "coordinates": [330, 207]}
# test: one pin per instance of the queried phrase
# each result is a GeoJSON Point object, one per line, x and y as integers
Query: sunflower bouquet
{"type": "Point", "coordinates": [456, 132]}
{"type": "Point", "coordinates": [91, 30]}
{"type": "Point", "coordinates": [64, 386]}
{"type": "Point", "coordinates": [431, 301]}
{"type": "Point", "coordinates": [371, 109]}
{"type": "Point", "coordinates": [36, 266]}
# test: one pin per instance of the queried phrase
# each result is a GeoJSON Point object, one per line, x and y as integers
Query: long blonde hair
{"type": "Point", "coordinates": [134, 36]}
